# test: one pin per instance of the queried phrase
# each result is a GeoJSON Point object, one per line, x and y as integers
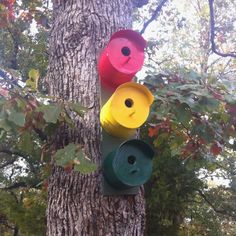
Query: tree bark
{"type": "Point", "coordinates": [80, 30]}
{"type": "Point", "coordinates": [15, 231]}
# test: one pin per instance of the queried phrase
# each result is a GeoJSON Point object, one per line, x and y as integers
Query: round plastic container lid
{"type": "Point", "coordinates": [133, 163]}
{"type": "Point", "coordinates": [126, 51]}
{"type": "Point", "coordinates": [131, 104]}
{"type": "Point", "coordinates": [125, 56]}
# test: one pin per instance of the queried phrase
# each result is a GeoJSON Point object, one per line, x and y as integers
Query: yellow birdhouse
{"type": "Point", "coordinates": [126, 110]}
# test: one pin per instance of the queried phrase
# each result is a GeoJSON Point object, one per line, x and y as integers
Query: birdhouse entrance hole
{"type": "Point", "coordinates": [129, 102]}
{"type": "Point", "coordinates": [125, 51]}
{"type": "Point", "coordinates": [131, 160]}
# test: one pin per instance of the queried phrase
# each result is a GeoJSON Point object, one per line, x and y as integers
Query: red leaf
{"type": "Point", "coordinates": [68, 168]}
{"type": "Point", "coordinates": [190, 148]}
{"type": "Point", "coordinates": [169, 93]}
{"type": "Point", "coordinates": [201, 141]}
{"type": "Point", "coordinates": [231, 109]}
{"type": "Point", "coordinates": [153, 131]}
{"type": "Point", "coordinates": [216, 149]}
{"type": "Point", "coordinates": [217, 95]}
{"type": "Point", "coordinates": [3, 19]}
{"type": "Point", "coordinates": [43, 20]}
{"type": "Point", "coordinates": [6, 13]}
{"type": "Point", "coordinates": [195, 157]}
{"type": "Point", "coordinates": [4, 92]}
{"type": "Point", "coordinates": [45, 185]}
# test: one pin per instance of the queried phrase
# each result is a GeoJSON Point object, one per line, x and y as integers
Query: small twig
{"type": "Point", "coordinates": [15, 185]}
{"type": "Point", "coordinates": [212, 30]}
{"type": "Point", "coordinates": [154, 15]}
{"type": "Point", "coordinates": [214, 62]}
{"type": "Point", "coordinates": [226, 65]}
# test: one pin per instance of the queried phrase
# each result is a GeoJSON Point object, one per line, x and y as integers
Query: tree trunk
{"type": "Point", "coordinates": [80, 30]}
{"type": "Point", "coordinates": [15, 231]}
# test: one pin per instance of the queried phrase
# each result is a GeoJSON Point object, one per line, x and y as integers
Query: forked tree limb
{"type": "Point", "coordinates": [154, 15]}
{"type": "Point", "coordinates": [212, 27]}
{"type": "Point", "coordinates": [212, 33]}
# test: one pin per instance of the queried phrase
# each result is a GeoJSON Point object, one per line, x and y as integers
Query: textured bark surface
{"type": "Point", "coordinates": [76, 206]}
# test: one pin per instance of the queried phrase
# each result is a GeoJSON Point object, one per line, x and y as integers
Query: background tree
{"type": "Point", "coordinates": [22, 200]}
{"type": "Point", "coordinates": [194, 88]}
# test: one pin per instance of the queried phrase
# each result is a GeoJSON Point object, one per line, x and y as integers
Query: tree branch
{"type": "Point", "coordinates": [154, 15]}
{"type": "Point", "coordinates": [3, 221]}
{"type": "Point", "coordinates": [17, 153]}
{"type": "Point", "coordinates": [9, 79]}
{"type": "Point", "coordinates": [220, 211]}
{"type": "Point", "coordinates": [16, 185]}
{"type": "Point", "coordinates": [14, 64]}
{"type": "Point", "coordinates": [9, 162]}
{"type": "Point", "coordinates": [212, 31]}
{"type": "Point", "coordinates": [139, 3]}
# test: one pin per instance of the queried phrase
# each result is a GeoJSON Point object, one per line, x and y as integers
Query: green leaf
{"type": "Point", "coordinates": [203, 131]}
{"type": "Point", "coordinates": [2, 102]}
{"type": "Point", "coordinates": [66, 155]}
{"type": "Point", "coordinates": [33, 74]}
{"type": "Point", "coordinates": [206, 104]}
{"type": "Point", "coordinates": [32, 82]}
{"type": "Point", "coordinates": [25, 143]}
{"type": "Point", "coordinates": [72, 154]}
{"type": "Point", "coordinates": [192, 75]}
{"type": "Point", "coordinates": [51, 112]}
{"type": "Point", "coordinates": [202, 93]}
{"type": "Point", "coordinates": [83, 165]}
{"type": "Point", "coordinates": [17, 118]}
{"type": "Point", "coordinates": [161, 110]}
{"type": "Point", "coordinates": [78, 108]}
{"type": "Point", "coordinates": [2, 135]}
{"type": "Point", "coordinates": [183, 114]}
{"type": "Point", "coordinates": [190, 87]}
{"type": "Point", "coordinates": [69, 121]}
{"type": "Point", "coordinates": [230, 99]}
{"type": "Point", "coordinates": [162, 138]}
{"type": "Point", "coordinates": [4, 123]}
{"type": "Point", "coordinates": [51, 128]}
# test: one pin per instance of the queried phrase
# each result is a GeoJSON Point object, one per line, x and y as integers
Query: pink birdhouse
{"type": "Point", "coordinates": [122, 58]}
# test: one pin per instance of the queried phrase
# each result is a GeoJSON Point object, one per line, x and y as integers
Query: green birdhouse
{"type": "Point", "coordinates": [127, 167]}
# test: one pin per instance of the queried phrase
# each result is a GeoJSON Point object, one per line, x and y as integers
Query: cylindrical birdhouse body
{"type": "Point", "coordinates": [121, 59]}
{"type": "Point", "coordinates": [126, 110]}
{"type": "Point", "coordinates": [130, 165]}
